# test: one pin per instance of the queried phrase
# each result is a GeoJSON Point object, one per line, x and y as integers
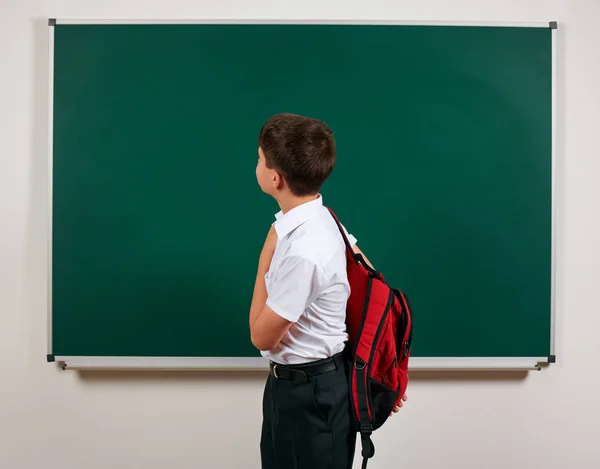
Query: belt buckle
{"type": "Point", "coordinates": [303, 375]}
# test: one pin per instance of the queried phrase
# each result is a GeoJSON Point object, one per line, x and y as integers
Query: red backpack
{"type": "Point", "coordinates": [379, 326]}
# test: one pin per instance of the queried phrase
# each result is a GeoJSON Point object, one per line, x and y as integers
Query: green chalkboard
{"type": "Point", "coordinates": [444, 175]}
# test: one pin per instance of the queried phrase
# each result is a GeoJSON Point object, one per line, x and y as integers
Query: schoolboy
{"type": "Point", "coordinates": [297, 315]}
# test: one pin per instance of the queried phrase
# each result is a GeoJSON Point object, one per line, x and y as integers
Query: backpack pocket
{"type": "Point", "coordinates": [383, 400]}
{"type": "Point", "coordinates": [383, 374]}
{"type": "Point", "coordinates": [383, 366]}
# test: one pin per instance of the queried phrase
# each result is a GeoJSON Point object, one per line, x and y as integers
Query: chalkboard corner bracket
{"type": "Point", "coordinates": [546, 363]}
{"type": "Point", "coordinates": [51, 358]}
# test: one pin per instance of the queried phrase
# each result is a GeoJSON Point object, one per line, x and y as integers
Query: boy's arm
{"type": "Point", "coordinates": [266, 328]}
{"type": "Point", "coordinates": [357, 250]}
{"type": "Point", "coordinates": [295, 287]}
{"type": "Point", "coordinates": [259, 296]}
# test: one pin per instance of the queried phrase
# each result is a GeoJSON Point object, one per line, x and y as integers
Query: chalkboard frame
{"type": "Point", "coordinates": [251, 363]}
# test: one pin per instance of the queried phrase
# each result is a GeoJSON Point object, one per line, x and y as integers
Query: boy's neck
{"type": "Point", "coordinates": [289, 202]}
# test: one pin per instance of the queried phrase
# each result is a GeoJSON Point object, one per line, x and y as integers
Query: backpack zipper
{"type": "Point", "coordinates": [364, 314]}
{"type": "Point", "coordinates": [407, 334]}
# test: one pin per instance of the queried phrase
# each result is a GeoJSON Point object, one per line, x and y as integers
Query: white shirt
{"type": "Point", "coordinates": [307, 284]}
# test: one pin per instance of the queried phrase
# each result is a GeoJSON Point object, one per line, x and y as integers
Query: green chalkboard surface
{"type": "Point", "coordinates": [444, 175]}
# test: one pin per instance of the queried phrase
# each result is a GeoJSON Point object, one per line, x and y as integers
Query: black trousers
{"type": "Point", "coordinates": [307, 425]}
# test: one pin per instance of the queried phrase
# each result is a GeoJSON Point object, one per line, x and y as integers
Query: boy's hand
{"type": "Point", "coordinates": [401, 404]}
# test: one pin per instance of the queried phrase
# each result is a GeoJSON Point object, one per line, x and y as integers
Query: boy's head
{"type": "Point", "coordinates": [296, 153]}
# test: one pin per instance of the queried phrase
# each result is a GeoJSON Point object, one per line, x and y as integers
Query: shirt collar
{"type": "Point", "coordinates": [286, 223]}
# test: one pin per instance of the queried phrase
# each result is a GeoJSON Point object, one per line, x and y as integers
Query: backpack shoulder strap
{"type": "Point", "coordinates": [343, 232]}
{"type": "Point", "coordinates": [356, 257]}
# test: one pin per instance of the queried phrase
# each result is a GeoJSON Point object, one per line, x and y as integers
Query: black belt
{"type": "Point", "coordinates": [301, 373]}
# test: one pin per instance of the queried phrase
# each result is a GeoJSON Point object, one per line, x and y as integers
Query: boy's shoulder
{"type": "Point", "coordinates": [318, 240]}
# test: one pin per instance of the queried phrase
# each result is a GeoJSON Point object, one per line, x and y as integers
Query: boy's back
{"type": "Point", "coordinates": [308, 241]}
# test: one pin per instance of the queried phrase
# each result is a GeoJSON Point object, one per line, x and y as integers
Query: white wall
{"type": "Point", "coordinates": [51, 419]}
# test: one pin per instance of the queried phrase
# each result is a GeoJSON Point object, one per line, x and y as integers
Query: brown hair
{"type": "Point", "coordinates": [301, 148]}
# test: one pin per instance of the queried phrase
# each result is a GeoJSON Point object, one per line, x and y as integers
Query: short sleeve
{"type": "Point", "coordinates": [295, 286]}
{"type": "Point", "coordinates": [351, 238]}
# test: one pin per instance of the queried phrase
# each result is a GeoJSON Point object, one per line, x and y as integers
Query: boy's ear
{"type": "Point", "coordinates": [278, 181]}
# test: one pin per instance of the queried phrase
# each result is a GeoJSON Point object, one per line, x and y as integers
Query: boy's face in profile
{"type": "Point", "coordinates": [268, 179]}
